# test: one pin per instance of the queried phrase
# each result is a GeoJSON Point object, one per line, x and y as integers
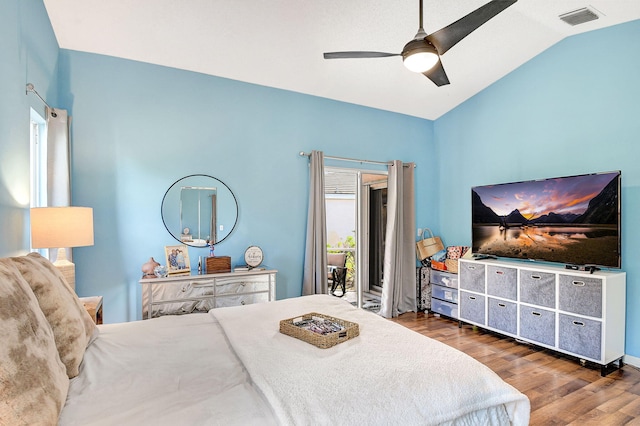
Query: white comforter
{"type": "Point", "coordinates": [172, 370]}
{"type": "Point", "coordinates": [233, 367]}
{"type": "Point", "coordinates": [387, 375]}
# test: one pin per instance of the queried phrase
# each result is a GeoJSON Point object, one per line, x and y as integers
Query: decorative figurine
{"type": "Point", "coordinates": [148, 269]}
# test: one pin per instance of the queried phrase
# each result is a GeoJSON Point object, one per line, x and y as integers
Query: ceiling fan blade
{"type": "Point", "coordinates": [357, 55]}
{"type": "Point", "coordinates": [437, 75]}
{"type": "Point", "coordinates": [447, 37]}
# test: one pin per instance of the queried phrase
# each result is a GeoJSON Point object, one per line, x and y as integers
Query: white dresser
{"type": "Point", "coordinates": [200, 293]}
{"type": "Point", "coordinates": [572, 312]}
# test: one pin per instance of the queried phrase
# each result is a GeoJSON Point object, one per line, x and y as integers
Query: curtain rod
{"type": "Point", "coordinates": [30, 88]}
{"type": "Point", "coordinates": [385, 163]}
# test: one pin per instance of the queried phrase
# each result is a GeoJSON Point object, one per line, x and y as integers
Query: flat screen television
{"type": "Point", "coordinates": [573, 220]}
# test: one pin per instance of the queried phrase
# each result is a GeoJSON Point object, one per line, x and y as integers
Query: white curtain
{"type": "Point", "coordinates": [315, 258]}
{"type": "Point", "coordinates": [58, 158]}
{"type": "Point", "coordinates": [399, 283]}
{"type": "Point", "coordinates": [58, 164]}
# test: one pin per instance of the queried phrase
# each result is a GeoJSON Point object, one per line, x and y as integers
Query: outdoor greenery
{"type": "Point", "coordinates": [349, 242]}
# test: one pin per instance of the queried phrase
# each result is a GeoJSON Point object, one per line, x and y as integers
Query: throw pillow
{"type": "Point", "coordinates": [33, 380]}
{"type": "Point", "coordinates": [72, 326]}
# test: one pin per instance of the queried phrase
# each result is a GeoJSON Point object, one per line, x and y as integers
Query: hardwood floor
{"type": "Point", "coordinates": [561, 391]}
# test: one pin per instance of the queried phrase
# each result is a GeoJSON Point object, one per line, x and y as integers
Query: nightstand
{"type": "Point", "coordinates": [93, 305]}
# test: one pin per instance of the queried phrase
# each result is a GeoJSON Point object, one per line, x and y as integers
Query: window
{"type": "Point", "coordinates": [38, 164]}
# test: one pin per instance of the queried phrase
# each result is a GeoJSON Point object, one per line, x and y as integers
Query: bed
{"type": "Point", "coordinates": [233, 366]}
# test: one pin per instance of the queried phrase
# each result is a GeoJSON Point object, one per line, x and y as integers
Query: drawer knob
{"type": "Point", "coordinates": [499, 272]}
{"type": "Point", "coordinates": [472, 297]}
{"type": "Point", "coordinates": [578, 323]}
{"type": "Point", "coordinates": [578, 283]}
{"type": "Point", "coordinates": [535, 313]}
{"type": "Point", "coordinates": [242, 302]}
{"type": "Point", "coordinates": [502, 305]}
{"type": "Point", "coordinates": [535, 277]}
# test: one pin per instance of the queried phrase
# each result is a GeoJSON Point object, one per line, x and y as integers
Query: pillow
{"type": "Point", "coordinates": [33, 380]}
{"type": "Point", "coordinates": [72, 326]}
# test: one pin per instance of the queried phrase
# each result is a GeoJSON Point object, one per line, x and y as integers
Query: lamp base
{"type": "Point", "coordinates": [66, 268]}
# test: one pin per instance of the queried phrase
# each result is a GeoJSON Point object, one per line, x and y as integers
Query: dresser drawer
{"type": "Point", "coordinates": [471, 276]}
{"type": "Point", "coordinates": [181, 295]}
{"type": "Point", "coordinates": [246, 285]}
{"type": "Point", "coordinates": [538, 288]}
{"type": "Point", "coordinates": [538, 325]}
{"type": "Point", "coordinates": [240, 299]}
{"type": "Point", "coordinates": [472, 307]}
{"type": "Point", "coordinates": [581, 295]}
{"type": "Point", "coordinates": [580, 336]}
{"type": "Point", "coordinates": [503, 315]}
{"type": "Point", "coordinates": [445, 308]}
{"type": "Point", "coordinates": [445, 279]}
{"type": "Point", "coordinates": [502, 282]}
{"type": "Point", "coordinates": [444, 293]}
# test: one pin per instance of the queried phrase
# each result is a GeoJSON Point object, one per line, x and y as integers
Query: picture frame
{"type": "Point", "coordinates": [177, 258]}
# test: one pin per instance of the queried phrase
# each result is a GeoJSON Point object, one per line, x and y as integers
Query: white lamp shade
{"type": "Point", "coordinates": [56, 227]}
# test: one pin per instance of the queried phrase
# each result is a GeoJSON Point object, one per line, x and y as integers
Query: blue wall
{"type": "Point", "coordinates": [571, 110]}
{"type": "Point", "coordinates": [137, 128]}
{"type": "Point", "coordinates": [28, 54]}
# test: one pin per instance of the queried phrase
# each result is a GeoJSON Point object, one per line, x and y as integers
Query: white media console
{"type": "Point", "coordinates": [577, 313]}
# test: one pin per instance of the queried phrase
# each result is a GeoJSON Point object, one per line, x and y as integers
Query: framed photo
{"type": "Point", "coordinates": [177, 258]}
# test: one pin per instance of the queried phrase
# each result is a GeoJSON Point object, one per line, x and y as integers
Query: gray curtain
{"type": "Point", "coordinates": [315, 257]}
{"type": "Point", "coordinates": [399, 285]}
{"type": "Point", "coordinates": [58, 158]}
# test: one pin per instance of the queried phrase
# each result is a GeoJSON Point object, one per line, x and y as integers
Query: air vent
{"type": "Point", "coordinates": [579, 16]}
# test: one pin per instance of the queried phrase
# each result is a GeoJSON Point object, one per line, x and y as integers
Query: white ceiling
{"type": "Point", "coordinates": [279, 43]}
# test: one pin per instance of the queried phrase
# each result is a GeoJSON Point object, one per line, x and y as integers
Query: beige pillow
{"type": "Point", "coordinates": [33, 380]}
{"type": "Point", "coordinates": [71, 324]}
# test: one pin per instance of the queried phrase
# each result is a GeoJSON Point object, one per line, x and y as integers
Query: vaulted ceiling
{"type": "Point", "coordinates": [280, 43]}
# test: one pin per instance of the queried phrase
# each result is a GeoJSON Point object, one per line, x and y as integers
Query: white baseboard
{"type": "Point", "coordinates": [631, 360]}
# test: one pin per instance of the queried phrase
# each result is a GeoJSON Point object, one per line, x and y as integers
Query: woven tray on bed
{"type": "Point", "coordinates": [347, 330]}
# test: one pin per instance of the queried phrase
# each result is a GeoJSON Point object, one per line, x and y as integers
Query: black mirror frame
{"type": "Point", "coordinates": [199, 175]}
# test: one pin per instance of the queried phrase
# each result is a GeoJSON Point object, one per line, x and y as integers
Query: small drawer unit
{"type": "Point", "coordinates": [444, 293]}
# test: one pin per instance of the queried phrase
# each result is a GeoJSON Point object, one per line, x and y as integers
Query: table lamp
{"type": "Point", "coordinates": [61, 227]}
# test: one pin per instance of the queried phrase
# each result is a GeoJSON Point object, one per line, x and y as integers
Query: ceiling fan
{"type": "Point", "coordinates": [422, 54]}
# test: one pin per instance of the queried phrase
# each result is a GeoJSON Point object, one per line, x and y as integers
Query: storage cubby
{"type": "Point", "coordinates": [444, 293]}
{"type": "Point", "coordinates": [578, 313]}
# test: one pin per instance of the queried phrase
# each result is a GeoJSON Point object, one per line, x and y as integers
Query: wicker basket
{"type": "Point", "coordinates": [452, 265]}
{"type": "Point", "coordinates": [323, 341]}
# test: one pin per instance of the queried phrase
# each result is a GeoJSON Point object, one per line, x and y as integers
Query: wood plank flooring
{"type": "Point", "coordinates": [561, 391]}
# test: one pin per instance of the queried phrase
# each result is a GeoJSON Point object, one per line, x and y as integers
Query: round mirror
{"type": "Point", "coordinates": [199, 209]}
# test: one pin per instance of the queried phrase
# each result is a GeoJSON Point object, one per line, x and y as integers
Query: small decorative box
{"type": "Point", "coordinates": [218, 264]}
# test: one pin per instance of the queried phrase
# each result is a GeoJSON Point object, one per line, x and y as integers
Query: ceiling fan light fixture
{"type": "Point", "coordinates": [419, 56]}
